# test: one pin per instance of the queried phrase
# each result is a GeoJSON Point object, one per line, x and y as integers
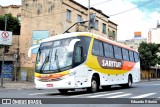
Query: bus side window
{"type": "Point", "coordinates": [78, 55]}
{"type": "Point", "coordinates": [101, 51]}
{"type": "Point", "coordinates": [136, 57]}
{"type": "Point", "coordinates": [97, 48]}
{"type": "Point", "coordinates": [108, 50]}
{"type": "Point", "coordinates": [111, 53]}
{"type": "Point", "coordinates": [131, 56]}
{"type": "Point", "coordinates": [125, 54]}
{"type": "Point", "coordinates": [117, 52]}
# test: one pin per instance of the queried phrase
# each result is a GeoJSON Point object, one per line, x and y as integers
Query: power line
{"type": "Point", "coordinates": [101, 3]}
{"type": "Point", "coordinates": [132, 8]}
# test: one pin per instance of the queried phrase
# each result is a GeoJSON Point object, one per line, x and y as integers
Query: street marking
{"type": "Point", "coordinates": [144, 95]}
{"type": "Point", "coordinates": [87, 94]}
{"type": "Point", "coordinates": [104, 94]}
{"type": "Point", "coordinates": [156, 84]}
{"type": "Point", "coordinates": [117, 96]}
{"type": "Point", "coordinates": [41, 93]}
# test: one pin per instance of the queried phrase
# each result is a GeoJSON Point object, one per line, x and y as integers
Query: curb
{"type": "Point", "coordinates": [146, 80]}
{"type": "Point", "coordinates": [18, 85]}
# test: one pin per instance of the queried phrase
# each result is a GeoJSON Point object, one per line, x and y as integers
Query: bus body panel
{"type": "Point", "coordinates": [81, 75]}
{"type": "Point", "coordinates": [78, 77]}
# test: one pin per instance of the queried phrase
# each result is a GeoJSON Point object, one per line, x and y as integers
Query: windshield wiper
{"type": "Point", "coordinates": [45, 61]}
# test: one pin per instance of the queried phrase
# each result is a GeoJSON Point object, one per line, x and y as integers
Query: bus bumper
{"type": "Point", "coordinates": [67, 83]}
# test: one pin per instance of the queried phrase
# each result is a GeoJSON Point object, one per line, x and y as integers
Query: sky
{"type": "Point", "coordinates": [130, 15]}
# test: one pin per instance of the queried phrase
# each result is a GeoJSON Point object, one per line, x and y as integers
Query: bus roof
{"type": "Point", "coordinates": [74, 34]}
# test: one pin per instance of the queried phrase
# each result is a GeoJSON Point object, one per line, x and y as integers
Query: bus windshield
{"type": "Point", "coordinates": [54, 56]}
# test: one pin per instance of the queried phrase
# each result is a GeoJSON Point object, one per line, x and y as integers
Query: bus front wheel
{"type": "Point", "coordinates": [63, 91]}
{"type": "Point", "coordinates": [94, 85]}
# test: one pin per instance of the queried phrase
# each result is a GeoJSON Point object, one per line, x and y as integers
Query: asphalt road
{"type": "Point", "coordinates": [139, 90]}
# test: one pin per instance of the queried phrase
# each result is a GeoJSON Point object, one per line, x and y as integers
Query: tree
{"type": "Point", "coordinates": [148, 55]}
{"type": "Point", "coordinates": [12, 23]}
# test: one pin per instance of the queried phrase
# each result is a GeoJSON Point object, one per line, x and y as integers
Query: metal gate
{"type": "Point", "coordinates": [7, 69]}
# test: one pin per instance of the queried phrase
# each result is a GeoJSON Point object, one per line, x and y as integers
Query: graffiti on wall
{"type": "Point", "coordinates": [7, 70]}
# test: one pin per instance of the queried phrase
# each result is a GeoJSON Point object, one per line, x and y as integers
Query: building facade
{"type": "Point", "coordinates": [15, 10]}
{"type": "Point", "coordinates": [134, 42]}
{"type": "Point", "coordinates": [1, 10]}
{"type": "Point", "coordinates": [10, 58]}
{"type": "Point", "coordinates": [112, 30]}
{"type": "Point", "coordinates": [45, 18]}
{"type": "Point", "coordinates": [153, 37]}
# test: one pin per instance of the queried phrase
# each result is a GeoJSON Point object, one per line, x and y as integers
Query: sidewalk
{"type": "Point", "coordinates": [152, 79]}
{"type": "Point", "coordinates": [18, 85]}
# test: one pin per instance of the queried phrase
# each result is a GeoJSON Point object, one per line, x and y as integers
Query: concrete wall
{"type": "Point", "coordinates": [1, 10]}
{"type": "Point", "coordinates": [38, 15]}
{"type": "Point", "coordinates": [15, 10]}
{"type": "Point", "coordinates": [151, 74]}
{"type": "Point", "coordinates": [134, 42]}
{"type": "Point", "coordinates": [155, 33]}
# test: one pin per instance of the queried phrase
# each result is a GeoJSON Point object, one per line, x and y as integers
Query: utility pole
{"type": "Point", "coordinates": [5, 28]}
{"type": "Point", "coordinates": [15, 66]}
{"type": "Point", "coordinates": [88, 15]}
{"type": "Point", "coordinates": [2, 66]}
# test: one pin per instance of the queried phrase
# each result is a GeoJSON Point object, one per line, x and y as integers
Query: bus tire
{"type": "Point", "coordinates": [94, 85]}
{"type": "Point", "coordinates": [63, 91]}
{"type": "Point", "coordinates": [39, 89]}
{"type": "Point", "coordinates": [107, 87]}
{"type": "Point", "coordinates": [129, 84]}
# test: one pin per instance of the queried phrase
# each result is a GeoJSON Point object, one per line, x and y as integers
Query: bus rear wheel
{"type": "Point", "coordinates": [63, 91]}
{"type": "Point", "coordinates": [94, 85]}
{"type": "Point", "coordinates": [129, 84]}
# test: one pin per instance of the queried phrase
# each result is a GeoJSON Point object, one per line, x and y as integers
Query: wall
{"type": "Point", "coordinates": [155, 33]}
{"type": "Point", "coordinates": [134, 43]}
{"type": "Point", "coordinates": [37, 15]}
{"type": "Point", "coordinates": [15, 10]}
{"type": "Point", "coordinates": [151, 74]}
{"type": "Point", "coordinates": [1, 10]}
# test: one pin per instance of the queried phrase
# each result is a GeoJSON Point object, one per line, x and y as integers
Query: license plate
{"type": "Point", "coordinates": [49, 85]}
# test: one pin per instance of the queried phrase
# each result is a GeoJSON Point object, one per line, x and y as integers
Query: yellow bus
{"type": "Point", "coordinates": [84, 60]}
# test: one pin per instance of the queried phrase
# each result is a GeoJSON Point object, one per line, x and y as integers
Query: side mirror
{"type": "Point", "coordinates": [72, 43]}
{"type": "Point", "coordinates": [31, 48]}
